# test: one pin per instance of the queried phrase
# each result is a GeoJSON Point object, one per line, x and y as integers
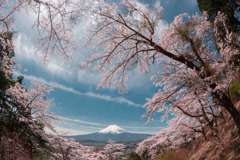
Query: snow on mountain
{"type": "Point", "coordinates": [113, 129]}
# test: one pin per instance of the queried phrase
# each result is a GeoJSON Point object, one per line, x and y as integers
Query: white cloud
{"type": "Point", "coordinates": [68, 131]}
{"type": "Point", "coordinates": [26, 53]}
{"type": "Point", "coordinates": [88, 77]}
{"type": "Point", "coordinates": [60, 69]}
{"type": "Point", "coordinates": [113, 99]}
{"type": "Point", "coordinates": [24, 49]}
{"type": "Point", "coordinates": [81, 121]}
{"type": "Point", "coordinates": [89, 94]}
{"type": "Point", "coordinates": [73, 126]}
{"type": "Point", "coordinates": [161, 26]}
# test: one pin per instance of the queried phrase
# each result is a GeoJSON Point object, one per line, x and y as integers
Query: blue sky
{"type": "Point", "coordinates": [83, 108]}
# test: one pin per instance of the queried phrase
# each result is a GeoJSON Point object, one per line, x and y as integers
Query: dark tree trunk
{"type": "Point", "coordinates": [232, 110]}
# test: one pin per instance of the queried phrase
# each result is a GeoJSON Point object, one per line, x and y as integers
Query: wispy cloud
{"type": "Point", "coordinates": [112, 99]}
{"type": "Point", "coordinates": [25, 51]}
{"type": "Point", "coordinates": [89, 94]}
{"type": "Point", "coordinates": [81, 121]}
{"type": "Point", "coordinates": [61, 130]}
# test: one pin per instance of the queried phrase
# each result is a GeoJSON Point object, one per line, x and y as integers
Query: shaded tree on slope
{"type": "Point", "coordinates": [23, 113]}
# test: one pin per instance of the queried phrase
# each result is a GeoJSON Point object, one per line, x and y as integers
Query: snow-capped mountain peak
{"type": "Point", "coordinates": [114, 129]}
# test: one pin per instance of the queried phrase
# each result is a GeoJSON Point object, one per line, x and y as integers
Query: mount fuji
{"type": "Point", "coordinates": [112, 132]}
{"type": "Point", "coordinates": [113, 129]}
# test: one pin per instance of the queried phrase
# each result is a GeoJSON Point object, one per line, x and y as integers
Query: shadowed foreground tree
{"type": "Point", "coordinates": [23, 113]}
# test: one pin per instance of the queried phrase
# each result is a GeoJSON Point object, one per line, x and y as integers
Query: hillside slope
{"type": "Point", "coordinates": [224, 147]}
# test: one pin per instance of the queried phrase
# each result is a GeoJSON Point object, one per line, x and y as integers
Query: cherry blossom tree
{"type": "Point", "coordinates": [68, 148]}
{"type": "Point", "coordinates": [113, 150]}
{"type": "Point", "coordinates": [194, 72]}
{"type": "Point", "coordinates": [172, 138]}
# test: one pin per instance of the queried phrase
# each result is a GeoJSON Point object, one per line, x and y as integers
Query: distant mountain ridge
{"type": "Point", "coordinates": [112, 132]}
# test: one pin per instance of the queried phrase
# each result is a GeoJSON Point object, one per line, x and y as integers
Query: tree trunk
{"type": "Point", "coordinates": [232, 110]}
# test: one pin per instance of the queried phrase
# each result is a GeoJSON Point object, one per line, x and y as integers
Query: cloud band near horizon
{"type": "Point", "coordinates": [72, 90]}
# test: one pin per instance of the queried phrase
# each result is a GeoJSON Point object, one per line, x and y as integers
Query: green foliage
{"type": "Point", "coordinates": [235, 61]}
{"type": "Point", "coordinates": [230, 8]}
{"type": "Point", "coordinates": [145, 155]}
{"type": "Point", "coordinates": [42, 155]}
{"type": "Point", "coordinates": [4, 82]}
{"type": "Point", "coordinates": [133, 156]}
{"type": "Point", "coordinates": [170, 155]}
{"type": "Point", "coordinates": [234, 91]}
